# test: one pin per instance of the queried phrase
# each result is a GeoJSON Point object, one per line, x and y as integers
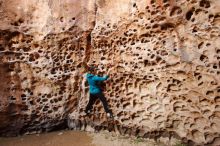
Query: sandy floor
{"type": "Point", "coordinates": [107, 139]}
{"type": "Point", "coordinates": [74, 138]}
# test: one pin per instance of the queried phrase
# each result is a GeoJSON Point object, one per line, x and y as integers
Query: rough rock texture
{"type": "Point", "coordinates": [165, 73]}
{"type": "Point", "coordinates": [41, 52]}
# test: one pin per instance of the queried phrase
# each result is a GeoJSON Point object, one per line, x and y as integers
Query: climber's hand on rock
{"type": "Point", "coordinates": [109, 65]}
{"type": "Point", "coordinates": [109, 68]}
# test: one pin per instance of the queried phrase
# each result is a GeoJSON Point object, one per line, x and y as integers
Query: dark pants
{"type": "Point", "coordinates": [93, 98]}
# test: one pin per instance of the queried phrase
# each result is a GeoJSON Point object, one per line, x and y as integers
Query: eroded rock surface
{"type": "Point", "coordinates": [165, 73]}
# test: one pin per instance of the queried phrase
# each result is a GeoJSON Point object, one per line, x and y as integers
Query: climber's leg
{"type": "Point", "coordinates": [92, 100]}
{"type": "Point", "coordinates": [104, 102]}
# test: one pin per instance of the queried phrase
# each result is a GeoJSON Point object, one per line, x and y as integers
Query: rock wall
{"type": "Point", "coordinates": [41, 44]}
{"type": "Point", "coordinates": [164, 74]}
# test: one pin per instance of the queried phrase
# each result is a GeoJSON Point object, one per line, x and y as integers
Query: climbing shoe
{"type": "Point", "coordinates": [88, 112]}
{"type": "Point", "coordinates": [110, 115]}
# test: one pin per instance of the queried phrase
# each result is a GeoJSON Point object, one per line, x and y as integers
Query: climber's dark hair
{"type": "Point", "coordinates": [92, 69]}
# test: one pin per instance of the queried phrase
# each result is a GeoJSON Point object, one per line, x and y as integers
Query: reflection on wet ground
{"type": "Point", "coordinates": [62, 138]}
{"type": "Point", "coordinates": [75, 138]}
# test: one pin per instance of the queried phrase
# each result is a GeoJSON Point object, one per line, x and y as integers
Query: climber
{"type": "Point", "coordinates": [96, 91]}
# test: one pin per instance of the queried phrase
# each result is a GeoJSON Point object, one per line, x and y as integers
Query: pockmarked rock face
{"type": "Point", "coordinates": [40, 18]}
{"type": "Point", "coordinates": [164, 74]}
{"type": "Point", "coordinates": [42, 46]}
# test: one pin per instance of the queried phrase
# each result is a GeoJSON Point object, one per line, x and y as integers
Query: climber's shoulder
{"type": "Point", "coordinates": [88, 75]}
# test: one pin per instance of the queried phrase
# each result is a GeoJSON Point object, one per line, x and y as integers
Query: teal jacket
{"type": "Point", "coordinates": [93, 81]}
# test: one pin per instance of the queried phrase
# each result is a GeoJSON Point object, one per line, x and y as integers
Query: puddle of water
{"type": "Point", "coordinates": [75, 138]}
{"type": "Point", "coordinates": [61, 138]}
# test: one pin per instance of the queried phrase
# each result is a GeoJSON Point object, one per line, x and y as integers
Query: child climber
{"type": "Point", "coordinates": [96, 91]}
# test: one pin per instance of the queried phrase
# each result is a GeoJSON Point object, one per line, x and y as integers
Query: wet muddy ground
{"type": "Point", "coordinates": [64, 138]}
{"type": "Point", "coordinates": [75, 138]}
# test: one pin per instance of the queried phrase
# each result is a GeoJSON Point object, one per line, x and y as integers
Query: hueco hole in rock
{"type": "Point", "coordinates": [160, 60]}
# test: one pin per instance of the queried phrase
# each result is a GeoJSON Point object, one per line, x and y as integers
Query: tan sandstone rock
{"type": "Point", "coordinates": [164, 78]}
